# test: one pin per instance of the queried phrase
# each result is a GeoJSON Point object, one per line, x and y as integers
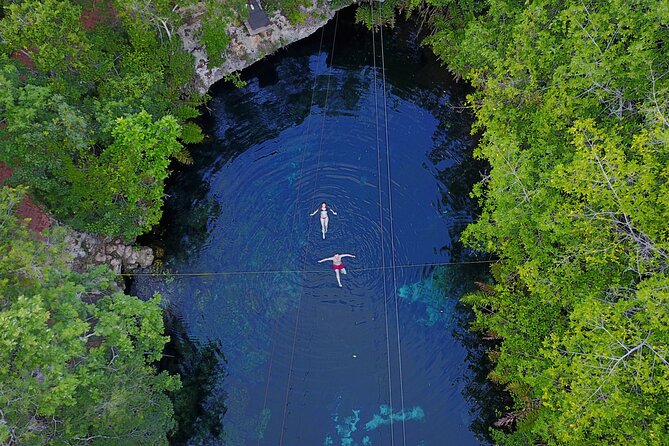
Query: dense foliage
{"type": "Point", "coordinates": [217, 17]}
{"type": "Point", "coordinates": [76, 355]}
{"type": "Point", "coordinates": [77, 76]}
{"type": "Point", "coordinates": [572, 104]}
{"type": "Point", "coordinates": [294, 10]}
{"type": "Point", "coordinates": [93, 105]}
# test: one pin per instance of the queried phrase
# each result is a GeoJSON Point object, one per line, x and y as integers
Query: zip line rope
{"type": "Point", "coordinates": [293, 225]}
{"type": "Point", "coordinates": [383, 254]}
{"type": "Point", "coordinates": [392, 234]}
{"type": "Point", "coordinates": [313, 196]}
{"type": "Point", "coordinates": [293, 271]}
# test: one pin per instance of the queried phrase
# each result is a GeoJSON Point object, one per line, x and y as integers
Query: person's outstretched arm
{"type": "Point", "coordinates": [346, 255]}
{"type": "Point", "coordinates": [325, 259]}
{"type": "Point", "coordinates": [314, 213]}
{"type": "Point", "coordinates": [332, 211]}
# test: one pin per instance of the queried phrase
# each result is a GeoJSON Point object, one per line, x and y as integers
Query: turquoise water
{"type": "Point", "coordinates": [302, 361]}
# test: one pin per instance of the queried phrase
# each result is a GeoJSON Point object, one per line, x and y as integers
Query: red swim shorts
{"type": "Point", "coordinates": [340, 266]}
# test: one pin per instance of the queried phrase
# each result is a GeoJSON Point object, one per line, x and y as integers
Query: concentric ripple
{"type": "Point", "coordinates": [305, 360]}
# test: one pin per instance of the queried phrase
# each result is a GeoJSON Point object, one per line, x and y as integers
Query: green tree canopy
{"type": "Point", "coordinates": [50, 32]}
{"type": "Point", "coordinates": [104, 84]}
{"type": "Point", "coordinates": [114, 189]}
{"type": "Point", "coordinates": [572, 106]}
{"type": "Point", "coordinates": [76, 355]}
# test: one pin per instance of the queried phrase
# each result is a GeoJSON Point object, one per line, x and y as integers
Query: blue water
{"type": "Point", "coordinates": [382, 360]}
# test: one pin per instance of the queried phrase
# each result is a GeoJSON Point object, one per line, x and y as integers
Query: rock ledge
{"type": "Point", "coordinates": [87, 249]}
{"type": "Point", "coordinates": [244, 50]}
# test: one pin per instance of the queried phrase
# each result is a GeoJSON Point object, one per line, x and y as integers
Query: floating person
{"type": "Point", "coordinates": [324, 208]}
{"type": "Point", "coordinates": [337, 264]}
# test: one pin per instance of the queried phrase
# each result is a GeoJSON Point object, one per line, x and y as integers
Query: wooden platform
{"type": "Point", "coordinates": [258, 20]}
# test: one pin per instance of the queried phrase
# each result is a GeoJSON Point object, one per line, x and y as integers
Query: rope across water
{"type": "Point", "coordinates": [313, 271]}
{"type": "Point", "coordinates": [297, 203]}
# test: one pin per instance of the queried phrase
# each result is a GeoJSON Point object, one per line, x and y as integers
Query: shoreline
{"type": "Point", "coordinates": [245, 49]}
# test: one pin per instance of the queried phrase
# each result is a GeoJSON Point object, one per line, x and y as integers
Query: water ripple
{"type": "Point", "coordinates": [268, 165]}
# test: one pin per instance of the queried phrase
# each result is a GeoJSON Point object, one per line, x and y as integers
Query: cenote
{"type": "Point", "coordinates": [270, 349]}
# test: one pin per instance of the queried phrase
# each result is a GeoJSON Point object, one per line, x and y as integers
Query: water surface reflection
{"type": "Point", "coordinates": [295, 359]}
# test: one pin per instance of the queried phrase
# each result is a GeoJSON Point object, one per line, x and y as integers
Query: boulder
{"type": "Point", "coordinates": [145, 257]}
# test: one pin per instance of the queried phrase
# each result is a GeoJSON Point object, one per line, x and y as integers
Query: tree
{"type": "Point", "coordinates": [73, 371]}
{"type": "Point", "coordinates": [65, 117]}
{"type": "Point", "coordinates": [117, 189]}
{"type": "Point", "coordinates": [50, 33]}
{"type": "Point", "coordinates": [122, 191]}
{"type": "Point", "coordinates": [572, 103]}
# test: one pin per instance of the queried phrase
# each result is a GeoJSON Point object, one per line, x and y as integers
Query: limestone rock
{"type": "Point", "coordinates": [145, 257]}
{"type": "Point", "coordinates": [87, 249]}
{"type": "Point", "coordinates": [244, 49]}
{"type": "Point", "coordinates": [115, 264]}
{"type": "Point", "coordinates": [132, 258]}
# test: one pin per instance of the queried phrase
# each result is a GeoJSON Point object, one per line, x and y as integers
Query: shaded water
{"type": "Point", "coordinates": [302, 361]}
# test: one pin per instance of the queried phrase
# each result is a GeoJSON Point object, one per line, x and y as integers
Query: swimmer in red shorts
{"type": "Point", "coordinates": [337, 264]}
{"type": "Point", "coordinates": [324, 208]}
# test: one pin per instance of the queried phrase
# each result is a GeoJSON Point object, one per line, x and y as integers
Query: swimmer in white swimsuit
{"type": "Point", "coordinates": [324, 208]}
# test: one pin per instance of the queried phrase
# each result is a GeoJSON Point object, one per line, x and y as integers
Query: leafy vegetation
{"type": "Point", "coordinates": [294, 10]}
{"type": "Point", "coordinates": [218, 17]}
{"type": "Point", "coordinates": [572, 104]}
{"type": "Point", "coordinates": [94, 104]}
{"type": "Point", "coordinates": [381, 13]}
{"type": "Point", "coordinates": [76, 354]}
{"type": "Point", "coordinates": [115, 189]}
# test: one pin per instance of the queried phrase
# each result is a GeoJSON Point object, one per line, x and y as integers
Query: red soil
{"type": "Point", "coordinates": [100, 11]}
{"type": "Point", "coordinates": [38, 218]}
{"type": "Point", "coordinates": [90, 17]}
{"type": "Point", "coordinates": [5, 173]}
{"type": "Point", "coordinates": [22, 57]}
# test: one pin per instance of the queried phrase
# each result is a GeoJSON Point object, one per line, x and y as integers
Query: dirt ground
{"type": "Point", "coordinates": [37, 219]}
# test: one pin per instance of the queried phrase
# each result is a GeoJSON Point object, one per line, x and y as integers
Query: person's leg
{"type": "Point", "coordinates": [327, 220]}
{"type": "Point", "coordinates": [343, 270]}
{"type": "Point", "coordinates": [338, 278]}
{"type": "Point", "coordinates": [323, 226]}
